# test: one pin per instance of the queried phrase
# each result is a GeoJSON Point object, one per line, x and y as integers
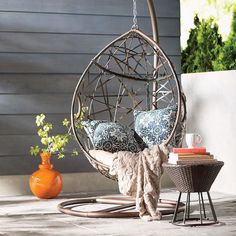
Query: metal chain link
{"type": "Point", "coordinates": [135, 21]}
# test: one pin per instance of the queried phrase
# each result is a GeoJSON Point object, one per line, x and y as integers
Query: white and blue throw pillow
{"type": "Point", "coordinates": [155, 126]}
{"type": "Point", "coordinates": [110, 136]}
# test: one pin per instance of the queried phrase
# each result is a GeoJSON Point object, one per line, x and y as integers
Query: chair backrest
{"type": "Point", "coordinates": [132, 72]}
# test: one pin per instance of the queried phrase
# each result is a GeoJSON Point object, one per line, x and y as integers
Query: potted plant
{"type": "Point", "coordinates": [47, 182]}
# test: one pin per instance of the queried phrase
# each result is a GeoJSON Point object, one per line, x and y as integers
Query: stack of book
{"type": "Point", "coordinates": [190, 155]}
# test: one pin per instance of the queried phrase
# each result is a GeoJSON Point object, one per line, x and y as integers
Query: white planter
{"type": "Point", "coordinates": [211, 111]}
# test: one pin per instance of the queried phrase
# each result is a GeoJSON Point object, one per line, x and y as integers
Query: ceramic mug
{"type": "Point", "coordinates": [193, 139]}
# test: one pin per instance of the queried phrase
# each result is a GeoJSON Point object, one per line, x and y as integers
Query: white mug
{"type": "Point", "coordinates": [193, 139]}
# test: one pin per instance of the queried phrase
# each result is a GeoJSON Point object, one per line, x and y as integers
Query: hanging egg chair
{"type": "Point", "coordinates": [131, 73]}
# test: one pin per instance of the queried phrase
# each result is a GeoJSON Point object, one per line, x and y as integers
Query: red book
{"type": "Point", "coordinates": [190, 150]}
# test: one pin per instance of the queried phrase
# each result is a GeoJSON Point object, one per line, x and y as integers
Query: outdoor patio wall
{"type": "Point", "coordinates": [44, 47]}
{"type": "Point", "coordinates": [211, 106]}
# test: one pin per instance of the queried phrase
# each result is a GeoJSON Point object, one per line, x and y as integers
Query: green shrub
{"type": "Point", "coordinates": [227, 56]}
{"type": "Point", "coordinates": [203, 47]}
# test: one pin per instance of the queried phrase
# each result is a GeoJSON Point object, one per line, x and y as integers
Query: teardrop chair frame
{"type": "Point", "coordinates": [143, 78]}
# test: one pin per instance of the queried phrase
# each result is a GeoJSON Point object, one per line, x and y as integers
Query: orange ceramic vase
{"type": "Point", "coordinates": [45, 182]}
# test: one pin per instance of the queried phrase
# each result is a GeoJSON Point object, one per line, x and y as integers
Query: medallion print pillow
{"type": "Point", "coordinates": [110, 136]}
{"type": "Point", "coordinates": [155, 126]}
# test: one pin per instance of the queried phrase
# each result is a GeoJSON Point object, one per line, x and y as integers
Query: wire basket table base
{"type": "Point", "coordinates": [187, 219]}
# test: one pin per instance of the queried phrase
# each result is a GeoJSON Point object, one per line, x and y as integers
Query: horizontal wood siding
{"type": "Point", "coordinates": [164, 8]}
{"type": "Point", "coordinates": [67, 43]}
{"type": "Point", "coordinates": [51, 63]}
{"type": "Point", "coordinates": [18, 124]}
{"type": "Point", "coordinates": [80, 24]}
{"type": "Point", "coordinates": [45, 45]}
{"type": "Point", "coordinates": [25, 164]}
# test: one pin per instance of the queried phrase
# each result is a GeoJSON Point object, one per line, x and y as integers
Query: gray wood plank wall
{"type": "Point", "coordinates": [44, 47]}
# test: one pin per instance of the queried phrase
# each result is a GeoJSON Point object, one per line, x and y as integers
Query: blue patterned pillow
{"type": "Point", "coordinates": [110, 136]}
{"type": "Point", "coordinates": [155, 126]}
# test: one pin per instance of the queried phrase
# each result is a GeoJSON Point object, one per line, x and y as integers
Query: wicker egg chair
{"type": "Point", "coordinates": [131, 73]}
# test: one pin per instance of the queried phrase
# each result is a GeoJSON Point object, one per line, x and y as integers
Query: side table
{"type": "Point", "coordinates": [194, 178]}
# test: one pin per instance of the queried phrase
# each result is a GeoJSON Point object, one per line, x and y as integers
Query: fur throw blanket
{"type": "Point", "coordinates": [139, 176]}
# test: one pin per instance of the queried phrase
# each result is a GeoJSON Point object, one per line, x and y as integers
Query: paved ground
{"type": "Point", "coordinates": [26, 216]}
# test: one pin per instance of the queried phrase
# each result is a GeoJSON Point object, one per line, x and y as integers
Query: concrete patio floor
{"type": "Point", "coordinates": [26, 216]}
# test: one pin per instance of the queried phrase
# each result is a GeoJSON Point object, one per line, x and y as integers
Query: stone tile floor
{"type": "Point", "coordinates": [26, 216]}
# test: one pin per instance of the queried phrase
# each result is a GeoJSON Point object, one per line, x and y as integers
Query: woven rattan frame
{"type": "Point", "coordinates": [121, 78]}
{"type": "Point", "coordinates": [195, 177]}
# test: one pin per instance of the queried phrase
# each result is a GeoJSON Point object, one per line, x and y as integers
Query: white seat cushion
{"type": "Point", "coordinates": [102, 156]}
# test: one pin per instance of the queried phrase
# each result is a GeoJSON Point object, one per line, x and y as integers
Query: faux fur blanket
{"type": "Point", "coordinates": [139, 176]}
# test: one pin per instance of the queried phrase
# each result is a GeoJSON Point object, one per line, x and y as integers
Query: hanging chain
{"type": "Point", "coordinates": [135, 21]}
